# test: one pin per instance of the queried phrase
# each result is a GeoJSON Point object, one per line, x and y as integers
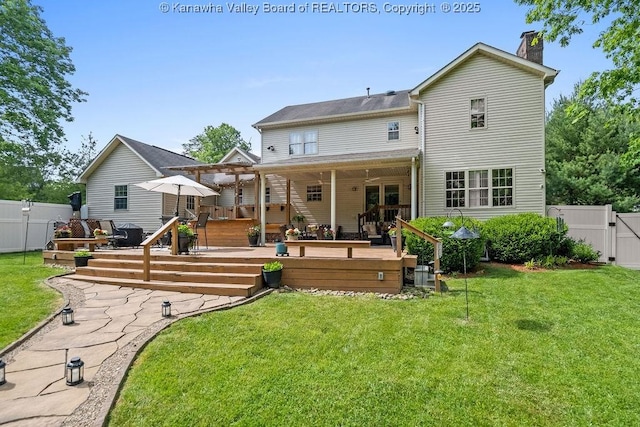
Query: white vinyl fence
{"type": "Point", "coordinates": [19, 221]}
{"type": "Point", "coordinates": [616, 236]}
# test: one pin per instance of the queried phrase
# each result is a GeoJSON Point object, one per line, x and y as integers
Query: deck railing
{"type": "Point", "coordinates": [172, 225]}
{"type": "Point", "coordinates": [436, 242]}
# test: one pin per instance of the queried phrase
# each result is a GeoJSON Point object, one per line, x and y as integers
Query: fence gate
{"type": "Point", "coordinates": [628, 240]}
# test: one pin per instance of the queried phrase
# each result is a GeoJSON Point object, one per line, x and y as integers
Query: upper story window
{"type": "Point", "coordinates": [314, 193]}
{"type": "Point", "coordinates": [267, 195]}
{"type": "Point", "coordinates": [303, 142]}
{"type": "Point", "coordinates": [121, 197]}
{"type": "Point", "coordinates": [191, 202]}
{"type": "Point", "coordinates": [239, 196]}
{"type": "Point", "coordinates": [478, 113]}
{"type": "Point", "coordinates": [393, 131]}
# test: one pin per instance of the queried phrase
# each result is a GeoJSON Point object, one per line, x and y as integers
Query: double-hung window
{"type": "Point", "coordinates": [121, 197]}
{"type": "Point", "coordinates": [191, 202]}
{"type": "Point", "coordinates": [478, 113]}
{"type": "Point", "coordinates": [267, 195]}
{"type": "Point", "coordinates": [502, 187]}
{"type": "Point", "coordinates": [303, 142]}
{"type": "Point", "coordinates": [455, 189]}
{"type": "Point", "coordinates": [393, 131]}
{"type": "Point", "coordinates": [314, 193]}
{"type": "Point", "coordinates": [479, 188]}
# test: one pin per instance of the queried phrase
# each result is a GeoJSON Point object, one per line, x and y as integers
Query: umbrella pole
{"type": "Point", "coordinates": [178, 201]}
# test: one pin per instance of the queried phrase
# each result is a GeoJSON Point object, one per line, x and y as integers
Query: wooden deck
{"type": "Point", "coordinates": [237, 270]}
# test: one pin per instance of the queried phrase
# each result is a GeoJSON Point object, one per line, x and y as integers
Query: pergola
{"type": "Point", "coordinates": [235, 169]}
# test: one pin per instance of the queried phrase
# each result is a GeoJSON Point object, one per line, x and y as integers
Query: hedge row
{"type": "Point", "coordinates": [515, 238]}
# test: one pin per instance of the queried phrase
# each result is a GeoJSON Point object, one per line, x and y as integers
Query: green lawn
{"type": "Point", "coordinates": [25, 300]}
{"type": "Point", "coordinates": [546, 349]}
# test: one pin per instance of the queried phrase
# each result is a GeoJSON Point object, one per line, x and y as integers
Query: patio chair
{"type": "Point", "coordinates": [203, 217]}
{"type": "Point", "coordinates": [114, 235]}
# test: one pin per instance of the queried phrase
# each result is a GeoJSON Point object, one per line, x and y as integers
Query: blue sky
{"type": "Point", "coordinates": [161, 77]}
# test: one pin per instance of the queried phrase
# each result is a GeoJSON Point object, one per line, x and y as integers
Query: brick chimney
{"type": "Point", "coordinates": [526, 51]}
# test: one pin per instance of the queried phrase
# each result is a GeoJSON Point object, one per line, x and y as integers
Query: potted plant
{"type": "Point", "coordinates": [392, 236]}
{"type": "Point", "coordinates": [328, 233]}
{"type": "Point", "coordinates": [62, 232]}
{"type": "Point", "coordinates": [272, 273]}
{"type": "Point", "coordinates": [253, 233]}
{"type": "Point", "coordinates": [81, 257]}
{"type": "Point", "coordinates": [98, 232]}
{"type": "Point", "coordinates": [186, 236]}
{"type": "Point", "coordinates": [299, 219]}
{"type": "Point", "coordinates": [292, 233]}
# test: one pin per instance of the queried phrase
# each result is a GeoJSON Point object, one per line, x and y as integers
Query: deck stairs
{"type": "Point", "coordinates": [230, 277]}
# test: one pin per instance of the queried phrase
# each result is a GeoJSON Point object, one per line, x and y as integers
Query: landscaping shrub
{"type": "Point", "coordinates": [452, 259]}
{"type": "Point", "coordinates": [584, 253]}
{"type": "Point", "coordinates": [518, 238]}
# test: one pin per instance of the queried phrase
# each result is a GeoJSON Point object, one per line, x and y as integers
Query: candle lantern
{"type": "Point", "coordinates": [166, 308]}
{"type": "Point", "coordinates": [75, 371]}
{"type": "Point", "coordinates": [2, 377]}
{"type": "Point", "coordinates": [67, 316]}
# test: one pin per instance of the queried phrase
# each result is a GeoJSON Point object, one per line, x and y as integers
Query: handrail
{"type": "Point", "coordinates": [146, 245]}
{"type": "Point", "coordinates": [437, 245]}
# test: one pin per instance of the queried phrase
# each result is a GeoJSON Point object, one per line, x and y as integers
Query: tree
{"type": "Point", "coordinates": [563, 19]}
{"type": "Point", "coordinates": [35, 97]}
{"type": "Point", "coordinates": [584, 158]}
{"type": "Point", "coordinates": [211, 145]}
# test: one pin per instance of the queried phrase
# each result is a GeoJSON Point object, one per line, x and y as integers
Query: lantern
{"type": "Point", "coordinates": [67, 316]}
{"type": "Point", "coordinates": [166, 308]}
{"type": "Point", "coordinates": [2, 377]}
{"type": "Point", "coordinates": [75, 371]}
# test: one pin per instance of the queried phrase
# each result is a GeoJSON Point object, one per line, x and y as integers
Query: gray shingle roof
{"type": "Point", "coordinates": [338, 107]}
{"type": "Point", "coordinates": [159, 158]}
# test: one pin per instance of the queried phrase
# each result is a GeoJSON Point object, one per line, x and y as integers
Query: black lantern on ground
{"type": "Point", "coordinates": [166, 308]}
{"type": "Point", "coordinates": [75, 371]}
{"type": "Point", "coordinates": [2, 377]}
{"type": "Point", "coordinates": [463, 233]}
{"type": "Point", "coordinates": [67, 316]}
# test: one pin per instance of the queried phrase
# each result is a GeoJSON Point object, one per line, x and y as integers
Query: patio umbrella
{"type": "Point", "coordinates": [178, 185]}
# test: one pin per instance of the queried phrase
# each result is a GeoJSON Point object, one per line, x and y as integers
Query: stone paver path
{"type": "Point", "coordinates": [111, 323]}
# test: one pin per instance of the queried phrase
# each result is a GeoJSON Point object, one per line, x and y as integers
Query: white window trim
{"type": "Point", "coordinates": [486, 113]}
{"type": "Point", "coordinates": [389, 131]}
{"type": "Point", "coordinates": [307, 193]}
{"type": "Point", "coordinates": [467, 189]}
{"type": "Point", "coordinates": [303, 142]}
{"type": "Point", "coordinates": [120, 197]}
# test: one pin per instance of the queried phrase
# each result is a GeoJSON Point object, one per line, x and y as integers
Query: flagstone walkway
{"type": "Point", "coordinates": [111, 324]}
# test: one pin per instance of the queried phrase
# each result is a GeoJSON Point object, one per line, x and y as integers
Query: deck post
{"type": "Point", "coordinates": [287, 209]}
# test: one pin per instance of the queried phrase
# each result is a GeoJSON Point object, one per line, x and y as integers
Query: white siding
{"type": "Point", "coordinates": [355, 136]}
{"type": "Point", "coordinates": [123, 167]}
{"type": "Point", "coordinates": [513, 137]}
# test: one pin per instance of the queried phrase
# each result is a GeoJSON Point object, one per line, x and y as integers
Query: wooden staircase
{"type": "Point", "coordinates": [186, 274]}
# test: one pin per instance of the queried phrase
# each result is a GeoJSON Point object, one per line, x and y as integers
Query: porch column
{"type": "Point", "coordinates": [414, 188]}
{"type": "Point", "coordinates": [236, 202]}
{"type": "Point", "coordinates": [334, 227]}
{"type": "Point", "coordinates": [263, 208]}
